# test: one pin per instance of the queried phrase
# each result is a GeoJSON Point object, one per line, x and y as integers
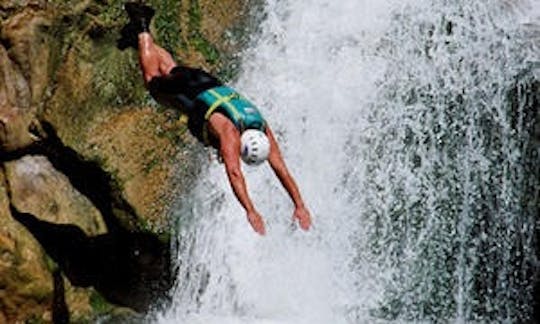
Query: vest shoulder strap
{"type": "Point", "coordinates": [237, 108]}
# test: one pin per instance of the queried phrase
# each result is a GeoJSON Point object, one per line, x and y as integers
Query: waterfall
{"type": "Point", "coordinates": [411, 128]}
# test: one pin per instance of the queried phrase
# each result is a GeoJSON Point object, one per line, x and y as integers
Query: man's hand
{"type": "Point", "coordinates": [302, 215]}
{"type": "Point", "coordinates": [256, 222]}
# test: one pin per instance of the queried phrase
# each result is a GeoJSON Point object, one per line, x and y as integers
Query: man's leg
{"type": "Point", "coordinates": [154, 60]}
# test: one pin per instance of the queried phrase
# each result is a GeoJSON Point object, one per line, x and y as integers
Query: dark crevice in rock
{"type": "Point", "coordinates": [85, 176]}
{"type": "Point", "coordinates": [131, 268]}
{"type": "Point", "coordinates": [6, 43]}
{"type": "Point", "coordinates": [60, 311]}
{"type": "Point", "coordinates": [128, 268]}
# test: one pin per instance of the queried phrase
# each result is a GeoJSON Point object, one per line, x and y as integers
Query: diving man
{"type": "Point", "coordinates": [217, 115]}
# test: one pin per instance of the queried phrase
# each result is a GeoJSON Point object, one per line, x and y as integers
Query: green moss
{"type": "Point", "coordinates": [50, 264]}
{"type": "Point", "coordinates": [167, 24]}
{"type": "Point", "coordinates": [195, 36]}
{"type": "Point", "coordinates": [99, 304]}
{"type": "Point", "coordinates": [195, 16]}
{"type": "Point", "coordinates": [207, 49]}
{"type": "Point", "coordinates": [175, 135]}
{"type": "Point", "coordinates": [110, 14]}
{"type": "Point", "coordinates": [155, 161]}
{"type": "Point", "coordinates": [162, 233]}
{"type": "Point", "coordinates": [117, 80]}
{"type": "Point", "coordinates": [35, 319]}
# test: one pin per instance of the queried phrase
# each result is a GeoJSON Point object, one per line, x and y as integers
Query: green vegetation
{"type": "Point", "coordinates": [116, 80]}
{"type": "Point", "coordinates": [196, 38]}
{"type": "Point", "coordinates": [100, 305]}
{"type": "Point", "coordinates": [168, 30]}
{"type": "Point", "coordinates": [35, 319]}
{"type": "Point", "coordinates": [167, 24]}
{"type": "Point", "coordinates": [154, 162]}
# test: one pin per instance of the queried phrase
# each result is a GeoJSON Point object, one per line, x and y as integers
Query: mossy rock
{"type": "Point", "coordinates": [65, 70]}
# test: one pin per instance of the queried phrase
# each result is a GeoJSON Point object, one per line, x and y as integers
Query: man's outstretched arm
{"type": "Point", "coordinates": [230, 153]}
{"type": "Point", "coordinates": [280, 169]}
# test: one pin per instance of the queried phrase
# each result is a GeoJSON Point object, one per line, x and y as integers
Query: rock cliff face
{"type": "Point", "coordinates": [89, 164]}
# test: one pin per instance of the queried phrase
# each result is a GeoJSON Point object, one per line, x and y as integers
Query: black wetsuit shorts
{"type": "Point", "coordinates": [179, 89]}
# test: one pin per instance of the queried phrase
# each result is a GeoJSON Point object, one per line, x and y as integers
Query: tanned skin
{"type": "Point", "coordinates": [156, 61]}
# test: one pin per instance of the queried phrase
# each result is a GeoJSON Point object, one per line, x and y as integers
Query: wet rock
{"type": "Point", "coordinates": [14, 129]}
{"type": "Point", "coordinates": [113, 164]}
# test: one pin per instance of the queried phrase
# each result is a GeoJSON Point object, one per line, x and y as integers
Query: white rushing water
{"type": "Point", "coordinates": [396, 119]}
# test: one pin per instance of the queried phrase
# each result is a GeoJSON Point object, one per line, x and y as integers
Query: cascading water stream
{"type": "Point", "coordinates": [410, 129]}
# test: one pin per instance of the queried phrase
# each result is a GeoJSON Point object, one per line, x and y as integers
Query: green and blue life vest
{"type": "Point", "coordinates": [238, 109]}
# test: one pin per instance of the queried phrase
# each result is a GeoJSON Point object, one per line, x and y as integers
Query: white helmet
{"type": "Point", "coordinates": [255, 147]}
